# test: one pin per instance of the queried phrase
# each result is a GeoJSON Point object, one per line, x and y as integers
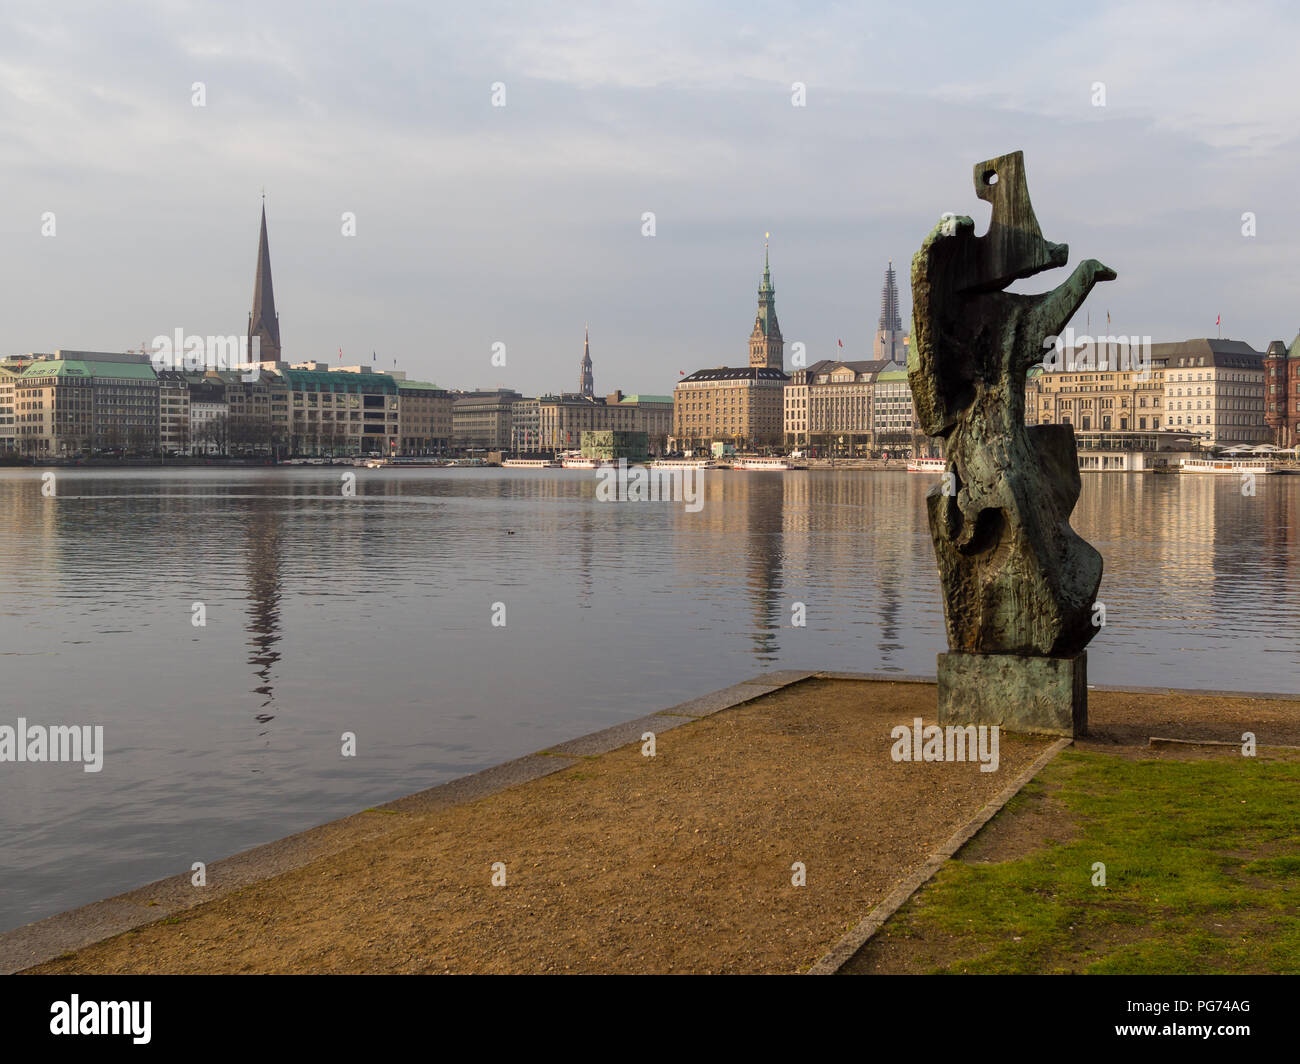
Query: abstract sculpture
{"type": "Point", "coordinates": [1019, 584]}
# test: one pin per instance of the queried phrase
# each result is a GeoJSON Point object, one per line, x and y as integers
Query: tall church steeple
{"type": "Point", "coordinates": [889, 319]}
{"type": "Point", "coordinates": [586, 382]}
{"type": "Point", "coordinates": [264, 322]}
{"type": "Point", "coordinates": [888, 344]}
{"type": "Point", "coordinates": [766, 347]}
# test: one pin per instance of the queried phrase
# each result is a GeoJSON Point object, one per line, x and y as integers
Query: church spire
{"type": "Point", "coordinates": [889, 316]}
{"type": "Point", "coordinates": [766, 347]}
{"type": "Point", "coordinates": [264, 322]}
{"type": "Point", "coordinates": [586, 382]}
{"type": "Point", "coordinates": [888, 345]}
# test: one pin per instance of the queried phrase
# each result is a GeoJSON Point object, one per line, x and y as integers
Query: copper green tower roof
{"type": "Point", "coordinates": [766, 321]}
{"type": "Point", "coordinates": [766, 347]}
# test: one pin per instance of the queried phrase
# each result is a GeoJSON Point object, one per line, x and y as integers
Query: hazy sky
{"type": "Point", "coordinates": [477, 224]}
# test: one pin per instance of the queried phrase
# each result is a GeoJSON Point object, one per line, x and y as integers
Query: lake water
{"type": "Point", "coordinates": [373, 614]}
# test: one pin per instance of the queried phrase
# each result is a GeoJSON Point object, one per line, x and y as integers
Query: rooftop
{"type": "Point", "coordinates": [320, 381]}
{"type": "Point", "coordinates": [92, 368]}
{"type": "Point", "coordinates": [730, 373]}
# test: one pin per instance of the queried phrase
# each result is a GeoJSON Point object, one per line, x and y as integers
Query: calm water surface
{"type": "Point", "coordinates": [372, 614]}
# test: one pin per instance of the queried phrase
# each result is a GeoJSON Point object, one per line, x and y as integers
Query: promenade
{"type": "Point", "coordinates": [615, 861]}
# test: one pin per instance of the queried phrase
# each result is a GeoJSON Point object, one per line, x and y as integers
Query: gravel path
{"type": "Point", "coordinates": [622, 863]}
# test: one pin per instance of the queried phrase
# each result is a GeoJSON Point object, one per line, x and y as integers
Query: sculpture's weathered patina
{"type": "Point", "coordinates": [1018, 582]}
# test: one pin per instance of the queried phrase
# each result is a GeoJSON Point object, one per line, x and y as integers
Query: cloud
{"type": "Point", "coordinates": [520, 223]}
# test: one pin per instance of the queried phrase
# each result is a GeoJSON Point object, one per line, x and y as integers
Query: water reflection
{"type": "Point", "coordinates": [372, 613]}
{"type": "Point", "coordinates": [264, 586]}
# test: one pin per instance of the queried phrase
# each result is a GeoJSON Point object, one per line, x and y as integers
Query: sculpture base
{"type": "Point", "coordinates": [1024, 694]}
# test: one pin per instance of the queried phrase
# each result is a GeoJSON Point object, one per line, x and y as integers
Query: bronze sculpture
{"type": "Point", "coordinates": [1019, 584]}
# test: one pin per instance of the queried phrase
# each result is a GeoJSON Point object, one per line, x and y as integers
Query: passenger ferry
{"type": "Point", "coordinates": [925, 465]}
{"type": "Point", "coordinates": [683, 463]}
{"type": "Point", "coordinates": [529, 463]}
{"type": "Point", "coordinates": [763, 465]}
{"type": "Point", "coordinates": [578, 462]}
{"type": "Point", "coordinates": [1227, 466]}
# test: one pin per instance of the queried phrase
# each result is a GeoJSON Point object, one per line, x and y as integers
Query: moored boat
{"type": "Point", "coordinates": [682, 463]}
{"type": "Point", "coordinates": [1227, 466]}
{"type": "Point", "coordinates": [925, 465]}
{"type": "Point", "coordinates": [762, 465]}
{"type": "Point", "coordinates": [529, 463]}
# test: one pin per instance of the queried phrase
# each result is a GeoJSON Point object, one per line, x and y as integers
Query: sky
{"type": "Point", "coordinates": [520, 224]}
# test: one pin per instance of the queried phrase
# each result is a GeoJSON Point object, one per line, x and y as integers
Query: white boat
{"type": "Point", "coordinates": [682, 463]}
{"type": "Point", "coordinates": [581, 463]}
{"type": "Point", "coordinates": [1227, 466]}
{"type": "Point", "coordinates": [529, 463]}
{"type": "Point", "coordinates": [763, 465]}
{"type": "Point", "coordinates": [925, 465]}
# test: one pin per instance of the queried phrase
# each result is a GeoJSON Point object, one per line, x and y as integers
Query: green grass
{"type": "Point", "coordinates": [1202, 875]}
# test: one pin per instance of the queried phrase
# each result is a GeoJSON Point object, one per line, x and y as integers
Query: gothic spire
{"type": "Point", "coordinates": [264, 322]}
{"type": "Point", "coordinates": [586, 382]}
{"type": "Point", "coordinates": [889, 315]}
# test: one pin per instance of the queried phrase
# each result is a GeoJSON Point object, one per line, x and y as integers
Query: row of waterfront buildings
{"type": "Point", "coordinates": [1192, 394]}
{"type": "Point", "coordinates": [1196, 393]}
{"type": "Point", "coordinates": [71, 403]}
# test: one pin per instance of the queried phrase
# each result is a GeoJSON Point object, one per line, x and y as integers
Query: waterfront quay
{"type": "Point", "coordinates": [767, 827]}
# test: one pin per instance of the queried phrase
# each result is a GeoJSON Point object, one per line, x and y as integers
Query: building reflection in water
{"type": "Point", "coordinates": [265, 525]}
{"type": "Point", "coordinates": [760, 501]}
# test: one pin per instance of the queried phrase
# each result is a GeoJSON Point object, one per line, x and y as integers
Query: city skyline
{"type": "Point", "coordinates": [473, 225]}
{"type": "Point", "coordinates": [263, 324]}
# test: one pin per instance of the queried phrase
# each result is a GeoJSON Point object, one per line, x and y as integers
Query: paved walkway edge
{"type": "Point", "coordinates": [33, 944]}
{"type": "Point", "coordinates": [847, 947]}
{"type": "Point", "coordinates": [75, 929]}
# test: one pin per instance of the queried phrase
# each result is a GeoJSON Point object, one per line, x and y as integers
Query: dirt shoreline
{"type": "Point", "coordinates": [622, 863]}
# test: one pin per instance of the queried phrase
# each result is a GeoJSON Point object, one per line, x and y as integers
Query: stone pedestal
{"type": "Point", "coordinates": [1024, 694]}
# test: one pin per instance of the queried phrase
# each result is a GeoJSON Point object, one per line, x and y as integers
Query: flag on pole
{"type": "Point", "coordinates": [681, 373]}
{"type": "Point", "coordinates": [340, 354]}
{"type": "Point", "coordinates": [1218, 320]}
{"type": "Point", "coordinates": [840, 342]}
{"type": "Point", "coordinates": [1108, 319]}
{"type": "Point", "coordinates": [374, 357]}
